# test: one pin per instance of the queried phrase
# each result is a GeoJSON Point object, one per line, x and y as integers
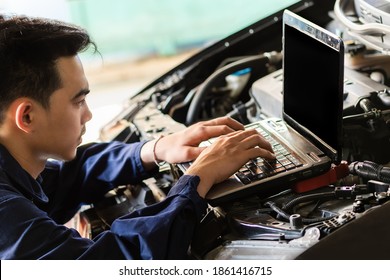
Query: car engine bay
{"type": "Point", "coordinates": [240, 76]}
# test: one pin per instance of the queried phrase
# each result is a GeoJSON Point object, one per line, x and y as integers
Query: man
{"type": "Point", "coordinates": [45, 177]}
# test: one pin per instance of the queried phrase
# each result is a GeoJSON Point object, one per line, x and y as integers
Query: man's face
{"type": "Point", "coordinates": [63, 123]}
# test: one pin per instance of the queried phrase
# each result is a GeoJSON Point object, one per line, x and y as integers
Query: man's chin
{"type": "Point", "coordinates": [71, 157]}
{"type": "Point", "coordinates": [67, 157]}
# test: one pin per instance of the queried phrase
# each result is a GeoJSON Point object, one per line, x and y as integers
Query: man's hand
{"type": "Point", "coordinates": [226, 155]}
{"type": "Point", "coordinates": [232, 148]}
{"type": "Point", "coordinates": [184, 145]}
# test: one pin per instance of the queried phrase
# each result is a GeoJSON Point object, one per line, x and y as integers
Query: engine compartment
{"type": "Point", "coordinates": [241, 77]}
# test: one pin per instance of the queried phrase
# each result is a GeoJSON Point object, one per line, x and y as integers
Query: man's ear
{"type": "Point", "coordinates": [23, 115]}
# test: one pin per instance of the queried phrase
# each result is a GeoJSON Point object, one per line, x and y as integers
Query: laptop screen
{"type": "Point", "coordinates": [313, 74]}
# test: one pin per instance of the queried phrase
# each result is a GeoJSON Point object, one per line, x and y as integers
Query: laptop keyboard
{"type": "Point", "coordinates": [259, 168]}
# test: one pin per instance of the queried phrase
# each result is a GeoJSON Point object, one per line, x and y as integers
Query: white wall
{"type": "Point", "coordinates": [56, 9]}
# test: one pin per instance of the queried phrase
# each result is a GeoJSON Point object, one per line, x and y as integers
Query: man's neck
{"type": "Point", "coordinates": [28, 161]}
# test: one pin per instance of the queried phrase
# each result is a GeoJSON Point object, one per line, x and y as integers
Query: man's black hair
{"type": "Point", "coordinates": [29, 48]}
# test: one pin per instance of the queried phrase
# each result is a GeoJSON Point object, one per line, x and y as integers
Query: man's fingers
{"type": "Point", "coordinates": [227, 121]}
{"type": "Point", "coordinates": [250, 139]}
{"type": "Point", "coordinates": [257, 140]}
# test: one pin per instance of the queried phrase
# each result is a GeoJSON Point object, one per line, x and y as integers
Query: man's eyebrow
{"type": "Point", "coordinates": [81, 93]}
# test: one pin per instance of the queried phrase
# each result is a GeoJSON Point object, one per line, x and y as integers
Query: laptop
{"type": "Point", "coordinates": [307, 139]}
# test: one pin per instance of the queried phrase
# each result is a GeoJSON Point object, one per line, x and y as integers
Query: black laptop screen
{"type": "Point", "coordinates": [313, 80]}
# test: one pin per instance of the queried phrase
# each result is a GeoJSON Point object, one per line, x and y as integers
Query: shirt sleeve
{"type": "Point", "coordinates": [97, 168]}
{"type": "Point", "coordinates": [161, 231]}
{"type": "Point", "coordinates": [157, 234]}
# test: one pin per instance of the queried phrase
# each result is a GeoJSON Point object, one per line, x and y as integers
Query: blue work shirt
{"type": "Point", "coordinates": [33, 211]}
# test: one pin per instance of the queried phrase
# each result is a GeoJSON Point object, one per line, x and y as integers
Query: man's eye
{"type": "Point", "coordinates": [81, 102]}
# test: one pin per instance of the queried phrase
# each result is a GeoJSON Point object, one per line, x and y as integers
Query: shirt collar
{"type": "Point", "coordinates": [23, 181]}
